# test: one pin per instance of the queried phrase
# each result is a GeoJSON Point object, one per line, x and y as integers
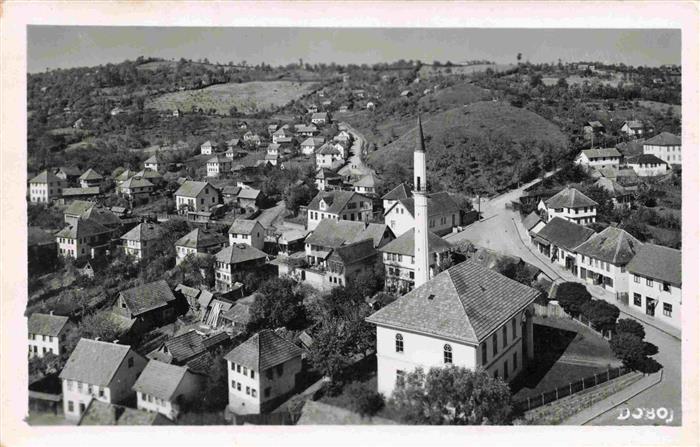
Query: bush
{"type": "Point", "coordinates": [364, 401]}
{"type": "Point", "coordinates": [630, 326]}
{"type": "Point", "coordinates": [601, 314]}
{"type": "Point", "coordinates": [571, 296]}
{"type": "Point", "coordinates": [628, 348]}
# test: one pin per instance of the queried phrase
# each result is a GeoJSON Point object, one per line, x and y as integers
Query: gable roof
{"type": "Point", "coordinates": [136, 182]}
{"type": "Point", "coordinates": [243, 226]}
{"type": "Point", "coordinates": [603, 152]}
{"type": "Point", "coordinates": [405, 244]}
{"type": "Point", "coordinates": [219, 159]}
{"type": "Point", "coordinates": [612, 245]}
{"type": "Point", "coordinates": [79, 207]}
{"type": "Point", "coordinates": [199, 238]}
{"type": "Point", "coordinates": [328, 149]}
{"type": "Point", "coordinates": [531, 220]}
{"type": "Point", "coordinates": [191, 188]}
{"type": "Point", "coordinates": [334, 233]}
{"type": "Point", "coordinates": [336, 200]}
{"type": "Point", "coordinates": [438, 203]}
{"type": "Point", "coordinates": [125, 175]}
{"type": "Point", "coordinates": [69, 171]}
{"type": "Point", "coordinates": [664, 139]}
{"type": "Point", "coordinates": [465, 303]}
{"type": "Point", "coordinates": [399, 193]}
{"type": "Point", "coordinates": [248, 193]}
{"type": "Point", "coordinates": [657, 262]}
{"type": "Point", "coordinates": [94, 362]}
{"type": "Point", "coordinates": [46, 324]}
{"type": "Point", "coordinates": [141, 299]}
{"type": "Point", "coordinates": [160, 380]}
{"type": "Point", "coordinates": [143, 232]}
{"type": "Point", "coordinates": [634, 124]}
{"type": "Point", "coordinates": [44, 177]}
{"type": "Point", "coordinates": [238, 253]}
{"type": "Point", "coordinates": [319, 115]}
{"type": "Point", "coordinates": [83, 228]}
{"type": "Point", "coordinates": [79, 192]}
{"type": "Point", "coordinates": [263, 351]}
{"type": "Point", "coordinates": [325, 173]}
{"type": "Point", "coordinates": [153, 159]}
{"type": "Point", "coordinates": [569, 198]}
{"type": "Point", "coordinates": [368, 181]}
{"type": "Point", "coordinates": [192, 343]}
{"type": "Point", "coordinates": [239, 313]}
{"type": "Point", "coordinates": [148, 174]}
{"type": "Point", "coordinates": [354, 252]}
{"type": "Point", "coordinates": [647, 159]}
{"type": "Point", "coordinates": [313, 141]}
{"type": "Point", "coordinates": [564, 233]}
{"type": "Point", "coordinates": [90, 174]}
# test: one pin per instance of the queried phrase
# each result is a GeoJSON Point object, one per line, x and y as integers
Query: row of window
{"type": "Point", "coordinates": [248, 390]}
{"type": "Point", "coordinates": [596, 263]}
{"type": "Point", "coordinates": [242, 370]}
{"type": "Point", "coordinates": [48, 338]}
{"type": "Point", "coordinates": [71, 407]}
{"type": "Point", "coordinates": [85, 387]}
{"type": "Point", "coordinates": [651, 305]}
{"type": "Point", "coordinates": [335, 280]}
{"type": "Point", "coordinates": [35, 350]}
{"type": "Point", "coordinates": [151, 399]}
{"type": "Point", "coordinates": [663, 286]}
{"type": "Point", "coordinates": [494, 341]}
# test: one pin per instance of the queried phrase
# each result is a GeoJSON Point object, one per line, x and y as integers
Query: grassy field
{"type": "Point", "coordinates": [248, 97]}
{"type": "Point", "coordinates": [429, 71]}
{"type": "Point", "coordinates": [661, 107]}
{"type": "Point", "coordinates": [579, 80]}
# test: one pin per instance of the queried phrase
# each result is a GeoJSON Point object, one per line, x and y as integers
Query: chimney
{"type": "Point", "coordinates": [50, 312]}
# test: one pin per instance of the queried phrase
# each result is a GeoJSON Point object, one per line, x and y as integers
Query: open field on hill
{"type": "Point", "coordinates": [248, 97]}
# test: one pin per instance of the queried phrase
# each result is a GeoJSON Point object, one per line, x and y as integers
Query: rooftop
{"type": "Point", "coordinates": [143, 232]}
{"type": "Point", "coordinates": [46, 324]}
{"type": "Point", "coordinates": [90, 174]}
{"type": "Point", "coordinates": [564, 233]}
{"type": "Point", "coordinates": [45, 177]}
{"type": "Point", "coordinates": [199, 238]}
{"type": "Point", "coordinates": [612, 245]}
{"type": "Point", "coordinates": [263, 351]}
{"type": "Point", "coordinates": [570, 198]}
{"type": "Point", "coordinates": [438, 203]}
{"type": "Point", "coordinates": [646, 159]}
{"type": "Point", "coordinates": [405, 244]}
{"type": "Point", "coordinates": [664, 139]}
{"type": "Point", "coordinates": [141, 299]}
{"type": "Point", "coordinates": [335, 233]}
{"type": "Point", "coordinates": [95, 362]}
{"type": "Point", "coordinates": [604, 152]}
{"type": "Point", "coordinates": [657, 262]}
{"type": "Point", "coordinates": [238, 253]}
{"type": "Point", "coordinates": [243, 226]}
{"type": "Point", "coordinates": [191, 188]}
{"type": "Point", "coordinates": [399, 193]}
{"type": "Point", "coordinates": [335, 201]}
{"type": "Point", "coordinates": [319, 413]}
{"type": "Point", "coordinates": [103, 413]}
{"type": "Point", "coordinates": [83, 228]}
{"type": "Point", "coordinates": [160, 380]}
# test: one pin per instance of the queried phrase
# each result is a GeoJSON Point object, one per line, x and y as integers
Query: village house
{"type": "Point", "coordinates": [125, 175]}
{"type": "Point", "coordinates": [90, 210]}
{"type": "Point", "coordinates": [647, 165]}
{"type": "Point", "coordinates": [198, 242]}
{"type": "Point", "coordinates": [400, 192]}
{"type": "Point", "coordinates": [140, 242]}
{"type": "Point", "coordinates": [399, 260]}
{"type": "Point", "coordinates": [47, 334]}
{"type": "Point", "coordinates": [100, 413]}
{"type": "Point", "coordinates": [163, 388]}
{"type": "Point", "coordinates": [570, 204]}
{"type": "Point", "coordinates": [271, 128]}
{"type": "Point", "coordinates": [320, 118]}
{"type": "Point", "coordinates": [311, 144]}
{"type": "Point", "coordinates": [249, 232]}
{"type": "Point", "coordinates": [195, 196]}
{"type": "Point", "coordinates": [261, 372]}
{"type": "Point", "coordinates": [219, 166]}
{"type": "Point", "coordinates": [603, 259]}
{"type": "Point", "coordinates": [443, 214]}
{"type": "Point", "coordinates": [252, 138]}
{"type": "Point", "coordinates": [235, 258]}
{"type": "Point", "coordinates": [621, 196]}
{"type": "Point", "coordinates": [45, 187]}
{"type": "Point", "coordinates": [665, 146]}
{"type": "Point", "coordinates": [345, 205]}
{"type": "Point", "coordinates": [177, 113]}
{"type": "Point", "coordinates": [72, 194]}
{"type": "Point", "coordinates": [655, 283]}
{"type": "Point", "coordinates": [328, 156]}
{"type": "Point", "coordinates": [152, 176]}
{"type": "Point", "coordinates": [147, 306]}
{"type": "Point", "coordinates": [533, 223]}
{"type": "Point", "coordinates": [343, 136]}
{"type": "Point", "coordinates": [593, 128]}
{"type": "Point", "coordinates": [326, 179]}
{"type": "Point", "coordinates": [283, 134]}
{"type": "Point", "coordinates": [558, 240]}
{"type": "Point", "coordinates": [98, 370]}
{"type": "Point", "coordinates": [234, 144]}
{"type": "Point", "coordinates": [208, 148]}
{"type": "Point", "coordinates": [248, 198]}
{"type": "Point", "coordinates": [332, 234]}
{"type": "Point", "coordinates": [599, 158]}
{"type": "Point", "coordinates": [305, 130]}
{"type": "Point", "coordinates": [238, 316]}
{"type": "Point", "coordinates": [91, 179]}
{"type": "Point", "coordinates": [367, 184]}
{"type": "Point", "coordinates": [444, 322]}
{"type": "Point", "coordinates": [68, 174]}
{"type": "Point", "coordinates": [134, 188]}
{"type": "Point", "coordinates": [634, 128]}
{"type": "Point", "coordinates": [186, 349]}
{"type": "Point", "coordinates": [153, 163]}
{"type": "Point", "coordinates": [83, 237]}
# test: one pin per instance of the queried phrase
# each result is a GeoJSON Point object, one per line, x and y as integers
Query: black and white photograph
{"type": "Point", "coordinates": [236, 226]}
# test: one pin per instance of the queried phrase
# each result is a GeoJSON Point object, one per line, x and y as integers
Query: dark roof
{"type": "Point", "coordinates": [243, 226]}
{"type": "Point", "coordinates": [69, 170]}
{"type": "Point", "coordinates": [647, 159]}
{"type": "Point", "coordinates": [325, 173]}
{"type": "Point", "coordinates": [399, 193]}
{"type": "Point", "coordinates": [82, 228]}
{"type": "Point", "coordinates": [239, 313]}
{"type": "Point", "coordinates": [657, 262]}
{"type": "Point", "coordinates": [94, 362]}
{"type": "Point", "coordinates": [141, 299]}
{"type": "Point", "coordinates": [191, 188]}
{"type": "Point", "coordinates": [135, 182]}
{"type": "Point", "coordinates": [336, 200]}
{"type": "Point", "coordinates": [103, 413]}
{"type": "Point", "coordinates": [354, 252]}
{"type": "Point", "coordinates": [152, 159]}
{"type": "Point", "coordinates": [231, 190]}
{"type": "Point", "coordinates": [37, 236]}
{"type": "Point", "coordinates": [405, 244]}
{"type": "Point", "coordinates": [369, 181]}
{"type": "Point", "coordinates": [160, 379]}
{"type": "Point", "coordinates": [570, 198]}
{"type": "Point", "coordinates": [91, 174]}
{"type": "Point", "coordinates": [79, 207]}
{"type": "Point", "coordinates": [604, 152]}
{"type": "Point", "coordinates": [334, 233]}
{"type": "Point", "coordinates": [144, 232]}
{"type": "Point", "coordinates": [45, 324]}
{"type": "Point", "coordinates": [248, 193]}
{"type": "Point", "coordinates": [664, 139]}
{"type": "Point", "coordinates": [531, 220]}
{"type": "Point", "coordinates": [199, 238]}
{"type": "Point", "coordinates": [612, 245]}
{"type": "Point", "coordinates": [192, 343]}
{"type": "Point", "coordinates": [263, 351]}
{"type": "Point", "coordinates": [564, 233]}
{"type": "Point", "coordinates": [44, 177]}
{"type": "Point", "coordinates": [438, 203]}
{"type": "Point", "coordinates": [237, 253]}
{"type": "Point", "coordinates": [465, 303]}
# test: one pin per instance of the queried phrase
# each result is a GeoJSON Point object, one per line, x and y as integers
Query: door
{"type": "Point", "coordinates": [651, 306]}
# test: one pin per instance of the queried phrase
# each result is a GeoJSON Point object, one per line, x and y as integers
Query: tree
{"type": "Point", "coordinates": [100, 324]}
{"type": "Point", "coordinates": [630, 326]}
{"type": "Point", "coordinates": [366, 402]}
{"type": "Point", "coordinates": [295, 196]}
{"type": "Point", "coordinates": [278, 303]}
{"type": "Point", "coordinates": [571, 296]}
{"type": "Point", "coordinates": [628, 348]}
{"type": "Point", "coordinates": [601, 314]}
{"type": "Point", "coordinates": [452, 395]}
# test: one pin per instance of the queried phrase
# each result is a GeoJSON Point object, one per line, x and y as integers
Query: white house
{"type": "Point", "coordinates": [400, 192]}
{"type": "Point", "coordinates": [235, 258]}
{"type": "Point", "coordinates": [246, 231]}
{"type": "Point", "coordinates": [283, 134]}
{"type": "Point", "coordinates": [443, 214]}
{"type": "Point", "coordinates": [665, 146]}
{"type": "Point", "coordinates": [633, 128]}
{"type": "Point", "coordinates": [198, 242]}
{"type": "Point", "coordinates": [320, 118]}
{"type": "Point", "coordinates": [47, 332]}
{"type": "Point", "coordinates": [647, 165]}
{"type": "Point", "coordinates": [570, 204]}
{"type": "Point", "coordinates": [218, 166]}
{"type": "Point", "coordinates": [90, 179]}
{"type": "Point", "coordinates": [329, 156]}
{"type": "Point", "coordinates": [326, 179]}
{"type": "Point", "coordinates": [207, 148]}
{"type": "Point", "coordinates": [655, 283]}
{"type": "Point", "coordinates": [98, 370]}
{"type": "Point", "coordinates": [599, 158]}
{"type": "Point", "coordinates": [135, 187]}
{"type": "Point", "coordinates": [311, 144]}
{"type": "Point", "coordinates": [139, 242]}
{"type": "Point", "coordinates": [558, 240]}
{"type": "Point", "coordinates": [80, 237]}
{"type": "Point", "coordinates": [261, 371]}
{"type": "Point", "coordinates": [346, 205]}
{"type": "Point", "coordinates": [367, 184]}
{"type": "Point", "coordinates": [162, 388]}
{"type": "Point", "coordinates": [45, 187]}
{"type": "Point", "coordinates": [195, 196]}
{"type": "Point", "coordinates": [152, 163]}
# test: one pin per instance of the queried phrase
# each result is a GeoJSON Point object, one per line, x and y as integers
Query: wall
{"type": "Point", "coordinates": [669, 154]}
{"type": "Point", "coordinates": [400, 221]}
{"type": "Point", "coordinates": [44, 342]}
{"type": "Point", "coordinates": [78, 393]}
{"type": "Point", "coordinates": [649, 170]}
{"type": "Point", "coordinates": [655, 291]}
{"type": "Point", "coordinates": [618, 274]}
{"type": "Point", "coordinates": [121, 384]}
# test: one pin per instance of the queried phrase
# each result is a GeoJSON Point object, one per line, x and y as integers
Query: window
{"type": "Point", "coordinates": [650, 282]}
{"type": "Point", "coordinates": [233, 366]}
{"type": "Point", "coordinates": [247, 390]}
{"type": "Point", "coordinates": [245, 371]}
{"type": "Point", "coordinates": [636, 279]}
{"type": "Point", "coordinates": [513, 323]}
{"type": "Point", "coordinates": [668, 309]}
{"type": "Point", "coordinates": [515, 361]}
{"type": "Point", "coordinates": [505, 336]}
{"type": "Point", "coordinates": [71, 406]}
{"type": "Point", "coordinates": [252, 374]}
{"type": "Point", "coordinates": [638, 300]}
{"type": "Point", "coordinates": [494, 343]}
{"type": "Point", "coordinates": [447, 354]}
{"type": "Point", "coordinates": [666, 287]}
{"type": "Point", "coordinates": [253, 392]}
{"type": "Point", "coordinates": [505, 370]}
{"type": "Point", "coordinates": [267, 392]}
{"type": "Point", "coordinates": [238, 386]}
{"type": "Point", "coordinates": [280, 369]}
{"type": "Point", "coordinates": [399, 343]}
{"type": "Point", "coordinates": [130, 362]}
{"type": "Point", "coordinates": [70, 384]}
{"type": "Point", "coordinates": [400, 377]}
{"type": "Point", "coordinates": [233, 384]}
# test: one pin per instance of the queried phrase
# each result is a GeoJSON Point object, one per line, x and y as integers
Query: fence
{"type": "Point", "coordinates": [530, 403]}
{"type": "Point", "coordinates": [550, 310]}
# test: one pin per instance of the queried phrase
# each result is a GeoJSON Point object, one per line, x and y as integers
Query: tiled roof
{"type": "Point", "coordinates": [125, 175]}
{"type": "Point", "coordinates": [611, 186]}
{"type": "Point", "coordinates": [634, 124]}
{"type": "Point", "coordinates": [569, 198]}
{"type": "Point", "coordinates": [191, 188]}
{"type": "Point", "coordinates": [313, 141]}
{"type": "Point", "coordinates": [239, 313]}
{"type": "Point", "coordinates": [664, 139]}
{"type": "Point", "coordinates": [405, 244]}
{"type": "Point", "coordinates": [199, 238]}
{"type": "Point", "coordinates": [231, 190]}
{"type": "Point", "coordinates": [238, 253]}
{"type": "Point", "coordinates": [248, 193]}
{"type": "Point", "coordinates": [148, 174]}
{"type": "Point", "coordinates": [399, 193]}
{"type": "Point", "coordinates": [325, 173]}
{"type": "Point", "coordinates": [438, 203]}
{"type": "Point", "coordinates": [336, 200]}
{"type": "Point", "coordinates": [612, 245]}
{"type": "Point", "coordinates": [191, 293]}
{"type": "Point", "coordinates": [564, 233]}
{"type": "Point", "coordinates": [79, 207]}
{"type": "Point", "coordinates": [319, 115]}
{"type": "Point", "coordinates": [334, 233]}
{"type": "Point", "coordinates": [657, 262]}
{"type": "Point", "coordinates": [152, 159]}
{"type": "Point", "coordinates": [135, 182]}
{"type": "Point", "coordinates": [144, 232]}
{"type": "Point", "coordinates": [69, 170]}
{"type": "Point", "coordinates": [603, 152]}
{"type": "Point", "coordinates": [44, 177]}
{"type": "Point", "coordinates": [367, 181]}
{"type": "Point", "coordinates": [192, 343]}
{"type": "Point", "coordinates": [83, 228]}
{"type": "Point", "coordinates": [243, 226]}
{"type": "Point", "coordinates": [354, 252]}
{"type": "Point", "coordinates": [160, 379]}
{"type": "Point", "coordinates": [141, 299]}
{"type": "Point", "coordinates": [91, 174]}
{"type": "Point", "coordinates": [45, 324]}
{"type": "Point", "coordinates": [465, 303]}
{"type": "Point", "coordinates": [219, 159]}
{"type": "Point", "coordinates": [328, 149]}
{"type": "Point", "coordinates": [94, 362]}
{"type": "Point", "coordinates": [319, 413]}
{"type": "Point", "coordinates": [531, 220]}
{"type": "Point", "coordinates": [103, 413]}
{"type": "Point", "coordinates": [647, 159]}
{"type": "Point", "coordinates": [263, 351]}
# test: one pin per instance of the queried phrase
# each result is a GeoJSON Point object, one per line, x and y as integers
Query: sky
{"type": "Point", "coordinates": [75, 46]}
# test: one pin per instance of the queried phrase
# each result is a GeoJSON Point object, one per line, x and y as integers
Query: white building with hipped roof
{"type": "Point", "coordinates": [164, 388]}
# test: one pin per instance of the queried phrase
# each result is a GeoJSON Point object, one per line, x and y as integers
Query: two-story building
{"type": "Point", "coordinates": [326, 179]}
{"type": "Point", "coordinates": [246, 231]}
{"type": "Point", "coordinates": [655, 283]}
{"type": "Point", "coordinates": [320, 118]}
{"type": "Point", "coordinates": [468, 316]}
{"type": "Point", "coordinates": [208, 148]}
{"type": "Point", "coordinates": [134, 188]}
{"type": "Point", "coordinates": [305, 130]}
{"type": "Point", "coordinates": [311, 144]}
{"type": "Point", "coordinates": [558, 240]}
{"type": "Point", "coordinates": [329, 156]}
{"type": "Point", "coordinates": [150, 305]}
{"type": "Point", "coordinates": [620, 196]}
{"type": "Point", "coordinates": [195, 196]}
{"type": "Point", "coordinates": [331, 234]}
{"type": "Point", "coordinates": [219, 166]}
{"type": "Point", "coordinates": [235, 258]}
{"type": "Point", "coordinates": [599, 158]}
{"type": "Point", "coordinates": [69, 174]}
{"type": "Point", "coordinates": [47, 333]}
{"type": "Point", "coordinates": [153, 163]}
{"type": "Point", "coordinates": [164, 388]}
{"type": "Point", "coordinates": [367, 184]}
{"type": "Point", "coordinates": [45, 187]}
{"type": "Point", "coordinates": [647, 165]}
{"type": "Point", "coordinates": [81, 237]}
{"type": "Point", "coordinates": [570, 204]}
{"type": "Point", "coordinates": [139, 242]}
{"type": "Point", "coordinates": [338, 205]}
{"type": "Point", "coordinates": [98, 370]}
{"type": "Point", "coordinates": [261, 371]}
{"type": "Point", "coordinates": [665, 146]}
{"type": "Point", "coordinates": [198, 242]}
{"type": "Point", "coordinates": [443, 214]}
{"type": "Point", "coordinates": [400, 192]}
{"type": "Point", "coordinates": [152, 176]}
{"type": "Point", "coordinates": [91, 179]}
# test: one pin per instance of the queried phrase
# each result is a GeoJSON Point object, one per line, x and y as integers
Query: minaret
{"type": "Point", "coordinates": [420, 200]}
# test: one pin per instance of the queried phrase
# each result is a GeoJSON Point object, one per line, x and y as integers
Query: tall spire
{"type": "Point", "coordinates": [421, 143]}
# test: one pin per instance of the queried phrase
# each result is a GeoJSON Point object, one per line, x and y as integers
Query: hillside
{"type": "Point", "coordinates": [479, 148]}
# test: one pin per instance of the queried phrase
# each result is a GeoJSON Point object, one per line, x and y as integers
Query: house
{"type": "Point", "coordinates": [330, 157]}
{"type": "Point", "coordinates": [248, 198]}
{"type": "Point", "coordinates": [320, 118]}
{"type": "Point", "coordinates": [188, 347]}
{"type": "Point", "coordinates": [47, 333]}
{"type": "Point", "coordinates": [72, 194]}
{"type": "Point", "coordinates": [533, 224]}
{"type": "Point", "coordinates": [400, 192]}
{"type": "Point", "coordinates": [343, 136]}
{"type": "Point", "coordinates": [147, 306]}
{"type": "Point", "coordinates": [311, 144]}
{"type": "Point", "coordinates": [468, 316]}
{"type": "Point", "coordinates": [599, 158]}
{"type": "Point", "coordinates": [326, 179]}
{"type": "Point", "coordinates": [665, 146]}
{"type": "Point", "coordinates": [163, 388]}
{"type": "Point", "coordinates": [347, 262]}
{"type": "Point", "coordinates": [78, 124]}
{"type": "Point", "coordinates": [45, 187]}
{"type": "Point", "coordinates": [245, 231]}
{"type": "Point", "coordinates": [101, 413]}
{"type": "Point", "coordinates": [177, 113]}
{"type": "Point", "coordinates": [570, 204]}
{"type": "Point", "coordinates": [345, 205]}
{"type": "Point", "coordinates": [238, 315]}
{"type": "Point", "coordinates": [140, 241]}
{"type": "Point", "coordinates": [125, 175]}
{"type": "Point", "coordinates": [83, 237]}
{"type": "Point", "coordinates": [367, 184]}
{"type": "Point", "coordinates": [251, 138]}
{"type": "Point", "coordinates": [304, 130]}
{"type": "Point", "coordinates": [271, 128]}
{"type": "Point", "coordinates": [135, 187]}
{"type": "Point", "coordinates": [603, 259]}
{"type": "Point", "coordinates": [70, 175]}
{"type": "Point", "coordinates": [343, 109]}
{"type": "Point", "coordinates": [290, 241]}
{"type": "Point", "coordinates": [152, 176]}
{"type": "Point", "coordinates": [153, 163]}
{"type": "Point", "coordinates": [81, 209]}
{"type": "Point", "coordinates": [593, 128]}
{"type": "Point", "coordinates": [98, 370]}
{"type": "Point", "coordinates": [219, 166]}
{"type": "Point", "coordinates": [198, 242]}
{"type": "Point", "coordinates": [282, 134]}
{"type": "Point", "coordinates": [195, 196]}
{"type": "Point", "coordinates": [443, 214]}
{"type": "Point", "coordinates": [208, 148]}
{"type": "Point", "coordinates": [399, 261]}
{"type": "Point", "coordinates": [655, 281]}
{"type": "Point", "coordinates": [261, 372]}
{"type": "Point", "coordinates": [331, 234]}
{"type": "Point", "coordinates": [235, 258]}
{"type": "Point", "coordinates": [633, 128]}
{"type": "Point", "coordinates": [621, 196]}
{"type": "Point", "coordinates": [90, 179]}
{"type": "Point", "coordinates": [558, 240]}
{"type": "Point", "coordinates": [647, 165]}
{"type": "Point", "coordinates": [42, 250]}
{"type": "Point", "coordinates": [234, 144]}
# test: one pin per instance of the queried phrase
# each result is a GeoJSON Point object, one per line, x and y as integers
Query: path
{"type": "Point", "coordinates": [355, 166]}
